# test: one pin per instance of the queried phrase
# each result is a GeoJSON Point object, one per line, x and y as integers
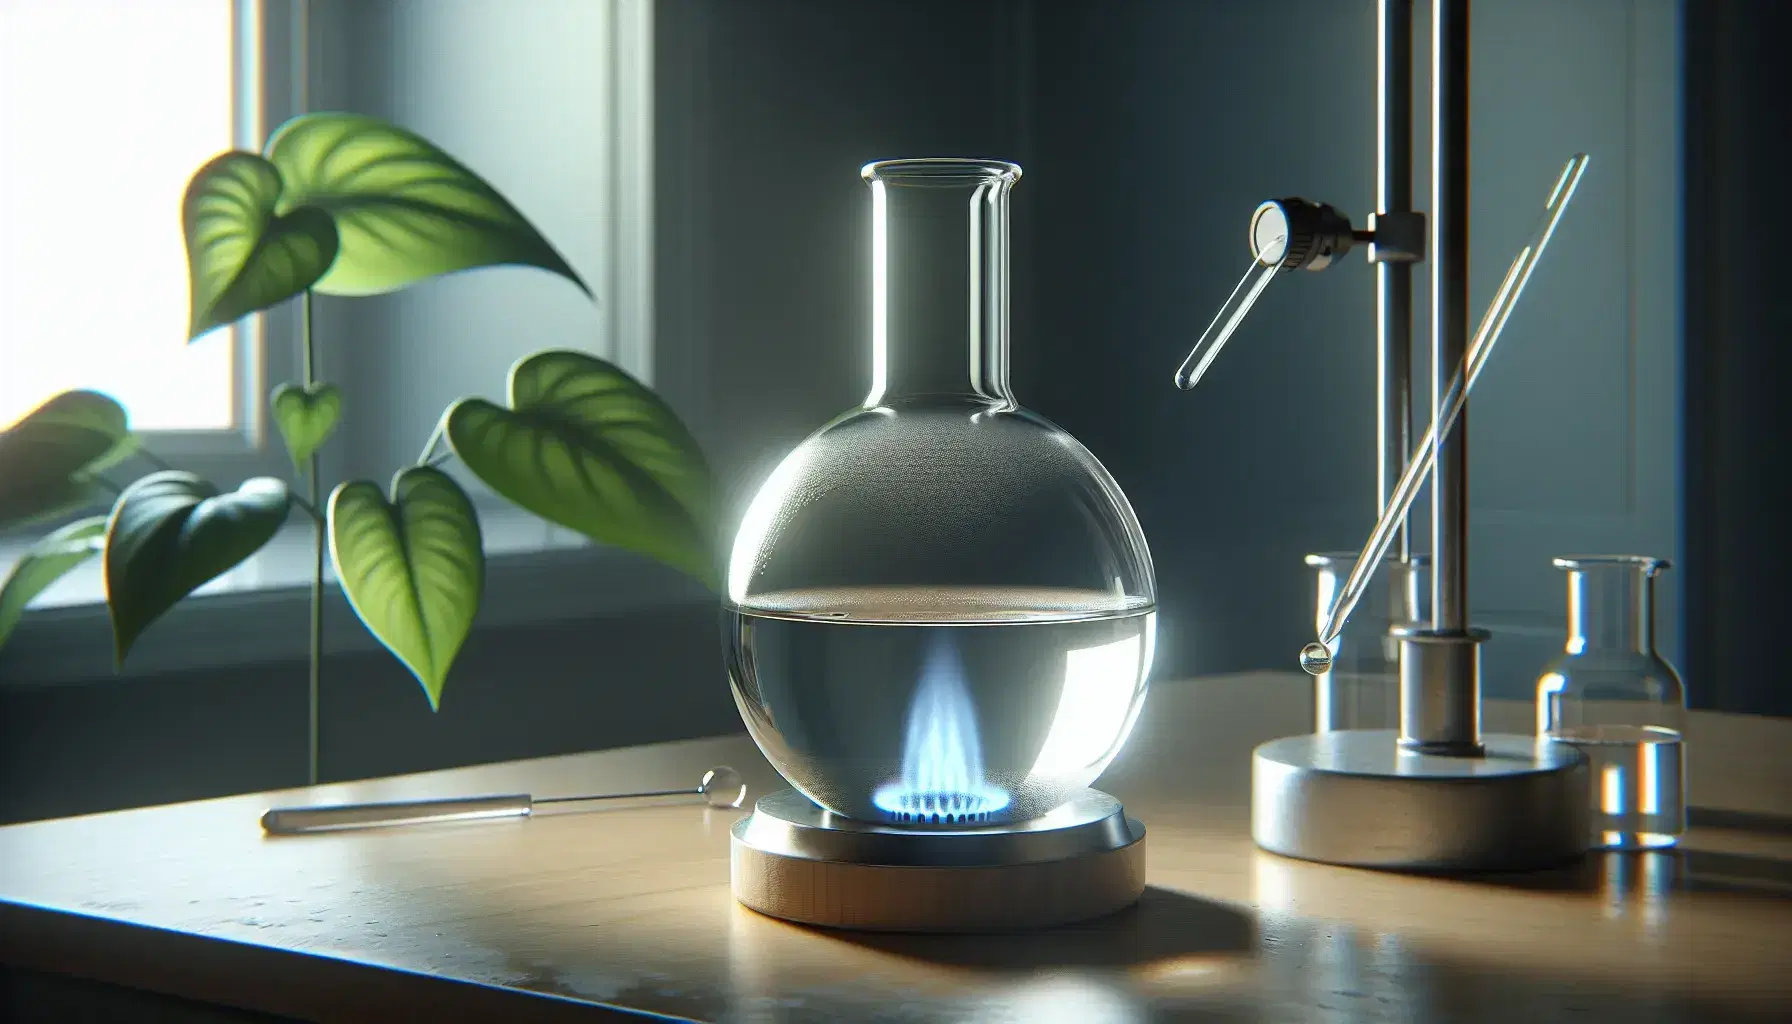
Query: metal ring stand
{"type": "Point", "coordinates": [1437, 794]}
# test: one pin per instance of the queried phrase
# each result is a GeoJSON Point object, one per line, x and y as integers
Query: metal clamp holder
{"type": "Point", "coordinates": [1397, 237]}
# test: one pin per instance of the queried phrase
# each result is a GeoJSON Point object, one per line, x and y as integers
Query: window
{"type": "Point", "coordinates": [106, 108]}
{"type": "Point", "coordinates": [549, 100]}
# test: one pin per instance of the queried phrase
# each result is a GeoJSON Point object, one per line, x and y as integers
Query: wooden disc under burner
{"type": "Point", "coordinates": [793, 870]}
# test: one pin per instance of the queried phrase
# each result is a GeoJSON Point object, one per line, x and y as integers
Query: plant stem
{"type": "Point", "coordinates": [435, 439]}
{"type": "Point", "coordinates": [315, 489]}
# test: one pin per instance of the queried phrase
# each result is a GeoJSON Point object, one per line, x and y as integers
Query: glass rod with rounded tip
{"type": "Point", "coordinates": [720, 786]}
{"type": "Point", "coordinates": [1315, 658]}
{"type": "Point", "coordinates": [1256, 278]}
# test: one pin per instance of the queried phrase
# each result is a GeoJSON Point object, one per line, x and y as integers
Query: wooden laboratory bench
{"type": "Point", "coordinates": [588, 915]}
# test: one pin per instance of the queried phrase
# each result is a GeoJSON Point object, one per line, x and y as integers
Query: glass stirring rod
{"type": "Point", "coordinates": [1316, 657]}
{"type": "Point", "coordinates": [720, 786]}
{"type": "Point", "coordinates": [1269, 258]}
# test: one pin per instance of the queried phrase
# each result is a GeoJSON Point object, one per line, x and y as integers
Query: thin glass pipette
{"type": "Point", "coordinates": [1316, 657]}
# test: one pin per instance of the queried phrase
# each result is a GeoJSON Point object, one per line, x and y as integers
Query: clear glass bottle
{"type": "Point", "coordinates": [1617, 700]}
{"type": "Point", "coordinates": [1361, 688]}
{"type": "Point", "coordinates": [939, 608]}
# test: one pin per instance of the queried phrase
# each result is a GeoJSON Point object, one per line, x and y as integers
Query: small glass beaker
{"type": "Point", "coordinates": [1361, 690]}
{"type": "Point", "coordinates": [1617, 700]}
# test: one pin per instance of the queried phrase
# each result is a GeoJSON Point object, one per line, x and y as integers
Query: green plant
{"type": "Point", "coordinates": [346, 205]}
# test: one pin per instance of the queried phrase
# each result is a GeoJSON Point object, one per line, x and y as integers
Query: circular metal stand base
{"type": "Point", "coordinates": [1356, 798]}
{"type": "Point", "coordinates": [793, 860]}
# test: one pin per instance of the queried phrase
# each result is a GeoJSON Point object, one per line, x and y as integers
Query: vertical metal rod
{"type": "Point", "coordinates": [1449, 305]}
{"type": "Point", "coordinates": [1393, 279]}
{"type": "Point", "coordinates": [1440, 668]}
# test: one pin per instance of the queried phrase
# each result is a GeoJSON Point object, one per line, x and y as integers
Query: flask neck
{"type": "Point", "coordinates": [1611, 608]}
{"type": "Point", "coordinates": [939, 299]}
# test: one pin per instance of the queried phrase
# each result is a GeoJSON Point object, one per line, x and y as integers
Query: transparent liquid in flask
{"type": "Point", "coordinates": [941, 705]}
{"type": "Point", "coordinates": [1637, 779]}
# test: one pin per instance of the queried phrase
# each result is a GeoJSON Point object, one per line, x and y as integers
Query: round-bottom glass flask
{"type": "Point", "coordinates": [940, 608]}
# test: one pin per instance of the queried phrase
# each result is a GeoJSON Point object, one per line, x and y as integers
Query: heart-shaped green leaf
{"type": "Point", "coordinates": [584, 445]}
{"type": "Point", "coordinates": [48, 457]}
{"type": "Point", "coordinates": [242, 254]}
{"type": "Point", "coordinates": [306, 416]}
{"type": "Point", "coordinates": [413, 568]}
{"type": "Point", "coordinates": [46, 562]}
{"type": "Point", "coordinates": [404, 209]}
{"type": "Point", "coordinates": [171, 532]}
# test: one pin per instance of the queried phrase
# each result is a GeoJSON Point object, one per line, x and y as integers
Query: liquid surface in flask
{"type": "Point", "coordinates": [939, 704]}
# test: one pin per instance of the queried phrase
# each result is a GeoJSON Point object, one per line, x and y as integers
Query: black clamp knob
{"type": "Point", "coordinates": [1299, 235]}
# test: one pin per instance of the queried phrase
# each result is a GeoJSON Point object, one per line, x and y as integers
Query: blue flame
{"type": "Point", "coordinates": [942, 756]}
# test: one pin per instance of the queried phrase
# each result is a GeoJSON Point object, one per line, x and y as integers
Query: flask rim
{"type": "Point", "coordinates": [940, 170]}
{"type": "Point", "coordinates": [1647, 563]}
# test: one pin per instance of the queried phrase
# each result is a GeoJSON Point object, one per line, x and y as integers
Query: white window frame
{"type": "Point", "coordinates": [385, 337]}
{"type": "Point", "coordinates": [631, 306]}
{"type": "Point", "coordinates": [268, 88]}
{"type": "Point", "coordinates": [273, 63]}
